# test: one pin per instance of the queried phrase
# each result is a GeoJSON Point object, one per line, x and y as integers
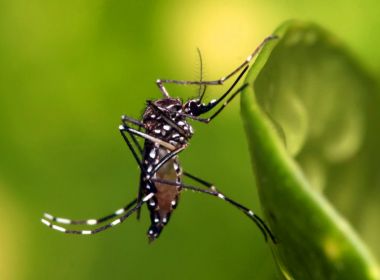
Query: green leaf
{"type": "Point", "coordinates": [306, 115]}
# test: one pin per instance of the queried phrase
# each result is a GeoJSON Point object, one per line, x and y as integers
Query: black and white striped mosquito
{"type": "Point", "coordinates": [165, 132]}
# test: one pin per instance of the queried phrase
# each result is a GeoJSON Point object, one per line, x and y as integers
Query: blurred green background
{"type": "Point", "coordinates": [69, 70]}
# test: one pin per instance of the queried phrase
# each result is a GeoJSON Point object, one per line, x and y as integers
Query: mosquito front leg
{"type": "Point", "coordinates": [220, 81]}
{"type": "Point", "coordinates": [207, 120]}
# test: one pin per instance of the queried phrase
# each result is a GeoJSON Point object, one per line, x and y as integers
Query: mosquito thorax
{"type": "Point", "coordinates": [165, 119]}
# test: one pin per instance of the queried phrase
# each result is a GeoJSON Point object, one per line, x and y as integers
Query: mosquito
{"type": "Point", "coordinates": [165, 132]}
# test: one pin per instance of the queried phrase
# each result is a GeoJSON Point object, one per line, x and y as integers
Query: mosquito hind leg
{"type": "Point", "coordinates": [90, 222]}
{"type": "Point", "coordinates": [255, 218]}
{"type": "Point", "coordinates": [102, 228]}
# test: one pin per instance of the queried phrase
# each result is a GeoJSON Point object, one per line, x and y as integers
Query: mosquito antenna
{"type": "Point", "coordinates": [201, 91]}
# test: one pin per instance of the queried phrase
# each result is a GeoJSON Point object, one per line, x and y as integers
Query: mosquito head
{"type": "Point", "coordinates": [195, 107]}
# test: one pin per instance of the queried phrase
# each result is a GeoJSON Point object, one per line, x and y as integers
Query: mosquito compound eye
{"type": "Point", "coordinates": [192, 107]}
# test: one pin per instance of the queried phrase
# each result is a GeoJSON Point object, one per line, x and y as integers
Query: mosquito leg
{"type": "Point", "coordinates": [102, 228]}
{"type": "Point", "coordinates": [173, 152]}
{"type": "Point", "coordinates": [167, 145]}
{"type": "Point", "coordinates": [199, 180]}
{"type": "Point", "coordinates": [207, 120]}
{"type": "Point", "coordinates": [226, 103]}
{"type": "Point", "coordinates": [90, 222]}
{"type": "Point", "coordinates": [256, 219]}
{"type": "Point", "coordinates": [219, 81]}
{"type": "Point", "coordinates": [204, 108]}
{"type": "Point", "coordinates": [168, 157]}
{"type": "Point", "coordinates": [125, 119]}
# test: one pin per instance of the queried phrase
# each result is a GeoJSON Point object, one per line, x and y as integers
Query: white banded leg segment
{"type": "Point", "coordinates": [102, 228]}
{"type": "Point", "coordinates": [64, 230]}
{"type": "Point", "coordinates": [90, 222]}
{"type": "Point", "coordinates": [256, 219]}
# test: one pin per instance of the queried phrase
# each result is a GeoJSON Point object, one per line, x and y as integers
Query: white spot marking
{"type": "Point", "coordinates": [157, 131]}
{"type": "Point", "coordinates": [167, 127]}
{"type": "Point", "coordinates": [120, 211]}
{"type": "Point", "coordinates": [151, 232]}
{"type": "Point", "coordinates": [175, 135]}
{"type": "Point", "coordinates": [149, 169]}
{"type": "Point", "coordinates": [221, 196]}
{"type": "Point", "coordinates": [164, 220]}
{"type": "Point", "coordinates": [156, 220]}
{"type": "Point", "coordinates": [152, 153]}
{"type": "Point", "coordinates": [45, 222]}
{"type": "Point", "coordinates": [63, 221]}
{"type": "Point", "coordinates": [152, 203]}
{"type": "Point", "coordinates": [180, 123]}
{"type": "Point", "coordinates": [153, 116]}
{"type": "Point", "coordinates": [149, 196]}
{"type": "Point", "coordinates": [121, 127]}
{"type": "Point", "coordinates": [186, 128]}
{"type": "Point", "coordinates": [92, 222]}
{"type": "Point", "coordinates": [114, 223]}
{"type": "Point", "coordinates": [86, 232]}
{"type": "Point", "coordinates": [174, 202]}
{"type": "Point", "coordinates": [213, 101]}
{"type": "Point", "coordinates": [158, 81]}
{"type": "Point", "coordinates": [48, 216]}
{"type": "Point", "coordinates": [251, 213]}
{"type": "Point", "coordinates": [175, 165]}
{"type": "Point", "coordinates": [249, 58]}
{"type": "Point", "coordinates": [61, 229]}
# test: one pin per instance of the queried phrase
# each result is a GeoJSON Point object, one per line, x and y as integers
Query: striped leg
{"type": "Point", "coordinates": [102, 228]}
{"type": "Point", "coordinates": [201, 181]}
{"type": "Point", "coordinates": [162, 143]}
{"type": "Point", "coordinates": [209, 119]}
{"type": "Point", "coordinates": [220, 81]}
{"type": "Point", "coordinates": [125, 119]}
{"type": "Point", "coordinates": [204, 108]}
{"type": "Point", "coordinates": [255, 218]}
{"type": "Point", "coordinates": [90, 222]}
